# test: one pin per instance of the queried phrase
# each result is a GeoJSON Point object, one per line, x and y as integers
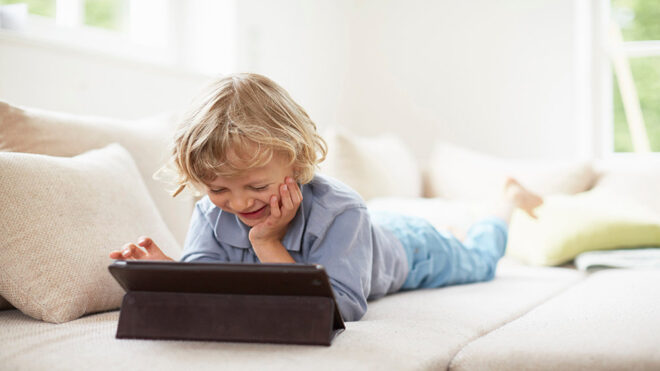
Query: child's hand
{"type": "Point", "coordinates": [132, 252]}
{"type": "Point", "coordinates": [274, 227]}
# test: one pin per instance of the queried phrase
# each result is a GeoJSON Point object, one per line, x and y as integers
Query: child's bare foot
{"type": "Point", "coordinates": [520, 197]}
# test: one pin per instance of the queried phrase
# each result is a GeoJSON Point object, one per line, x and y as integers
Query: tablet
{"type": "Point", "coordinates": [225, 278]}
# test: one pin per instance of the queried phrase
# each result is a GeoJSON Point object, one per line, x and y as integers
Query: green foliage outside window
{"type": "Point", "coordinates": [639, 21]}
{"type": "Point", "coordinates": [108, 14]}
{"type": "Point", "coordinates": [45, 8]}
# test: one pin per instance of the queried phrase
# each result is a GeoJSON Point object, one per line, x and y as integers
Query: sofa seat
{"type": "Point", "coordinates": [409, 330]}
{"type": "Point", "coordinates": [527, 318]}
{"type": "Point", "coordinates": [609, 321]}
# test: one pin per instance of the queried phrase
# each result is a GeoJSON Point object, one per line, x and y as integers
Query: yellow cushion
{"type": "Point", "coordinates": [568, 225]}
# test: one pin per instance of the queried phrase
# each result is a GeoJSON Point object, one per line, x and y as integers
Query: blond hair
{"type": "Point", "coordinates": [246, 116]}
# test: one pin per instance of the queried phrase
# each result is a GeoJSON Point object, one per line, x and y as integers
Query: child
{"type": "Point", "coordinates": [253, 151]}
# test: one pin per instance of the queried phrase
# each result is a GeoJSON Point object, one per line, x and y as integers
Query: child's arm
{"type": "Point", "coordinates": [346, 252]}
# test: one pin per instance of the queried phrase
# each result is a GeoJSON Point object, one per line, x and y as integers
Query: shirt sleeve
{"type": "Point", "coordinates": [346, 252]}
{"type": "Point", "coordinates": [200, 244]}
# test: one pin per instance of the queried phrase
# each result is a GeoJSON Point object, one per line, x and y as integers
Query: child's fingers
{"type": "Point", "coordinates": [149, 245]}
{"type": "Point", "coordinates": [287, 202]}
{"type": "Point", "coordinates": [126, 252]}
{"type": "Point", "coordinates": [130, 251]}
{"type": "Point", "coordinates": [275, 207]}
{"type": "Point", "coordinates": [115, 255]}
{"type": "Point", "coordinates": [137, 253]}
{"type": "Point", "coordinates": [145, 242]}
{"type": "Point", "coordinates": [296, 195]}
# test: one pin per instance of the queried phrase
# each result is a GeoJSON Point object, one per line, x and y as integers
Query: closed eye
{"type": "Point", "coordinates": [220, 190]}
{"type": "Point", "coordinates": [262, 188]}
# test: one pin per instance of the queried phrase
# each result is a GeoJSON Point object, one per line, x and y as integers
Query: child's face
{"type": "Point", "coordinates": [247, 195]}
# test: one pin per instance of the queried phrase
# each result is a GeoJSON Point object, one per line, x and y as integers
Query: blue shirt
{"type": "Point", "coordinates": [332, 227]}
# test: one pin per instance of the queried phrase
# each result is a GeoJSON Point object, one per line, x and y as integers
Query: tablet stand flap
{"type": "Point", "coordinates": [227, 317]}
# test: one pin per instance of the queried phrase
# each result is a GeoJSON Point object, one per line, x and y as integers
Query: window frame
{"type": "Point", "coordinates": [602, 92]}
{"type": "Point", "coordinates": [185, 51]}
{"type": "Point", "coordinates": [73, 34]}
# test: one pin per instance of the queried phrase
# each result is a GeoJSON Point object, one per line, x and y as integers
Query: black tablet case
{"type": "Point", "coordinates": [271, 303]}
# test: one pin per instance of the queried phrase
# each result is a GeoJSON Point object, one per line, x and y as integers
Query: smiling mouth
{"type": "Point", "coordinates": [254, 214]}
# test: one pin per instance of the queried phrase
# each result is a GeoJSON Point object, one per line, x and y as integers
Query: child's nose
{"type": "Point", "coordinates": [241, 203]}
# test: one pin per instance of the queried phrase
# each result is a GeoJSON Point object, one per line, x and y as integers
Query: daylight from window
{"type": "Point", "coordinates": [639, 21]}
{"type": "Point", "coordinates": [107, 14]}
{"type": "Point", "coordinates": [146, 22]}
{"type": "Point", "coordinates": [143, 21]}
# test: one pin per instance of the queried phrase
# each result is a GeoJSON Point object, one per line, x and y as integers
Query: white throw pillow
{"type": "Point", "coordinates": [632, 176]}
{"type": "Point", "coordinates": [61, 217]}
{"type": "Point", "coordinates": [59, 134]}
{"type": "Point", "coordinates": [379, 166]}
{"type": "Point", "coordinates": [458, 173]}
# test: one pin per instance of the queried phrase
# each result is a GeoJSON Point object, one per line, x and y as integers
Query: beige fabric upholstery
{"type": "Point", "coordinates": [58, 134]}
{"type": "Point", "coordinates": [635, 177]}
{"type": "Point", "coordinates": [61, 217]}
{"type": "Point", "coordinates": [379, 166]}
{"type": "Point", "coordinates": [527, 318]}
{"type": "Point", "coordinates": [607, 322]}
{"type": "Point", "coordinates": [406, 331]}
{"type": "Point", "coordinates": [459, 173]}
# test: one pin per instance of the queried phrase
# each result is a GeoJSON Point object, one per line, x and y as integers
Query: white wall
{"type": "Point", "coordinates": [499, 76]}
{"type": "Point", "coordinates": [493, 75]}
{"type": "Point", "coordinates": [305, 47]}
{"type": "Point", "coordinates": [49, 76]}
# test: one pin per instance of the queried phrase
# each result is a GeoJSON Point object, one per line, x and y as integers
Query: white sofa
{"type": "Point", "coordinates": [52, 264]}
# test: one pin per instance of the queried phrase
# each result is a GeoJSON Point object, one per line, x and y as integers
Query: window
{"type": "Point", "coordinates": [639, 24]}
{"type": "Point", "coordinates": [110, 25]}
{"type": "Point", "coordinates": [175, 33]}
{"type": "Point", "coordinates": [107, 14]}
{"type": "Point", "coordinates": [45, 8]}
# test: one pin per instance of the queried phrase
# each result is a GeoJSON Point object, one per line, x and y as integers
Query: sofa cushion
{"type": "Point", "coordinates": [459, 173]}
{"type": "Point", "coordinates": [376, 166]}
{"type": "Point", "coordinates": [57, 134]}
{"type": "Point", "coordinates": [61, 217]}
{"type": "Point", "coordinates": [568, 225]}
{"type": "Point", "coordinates": [607, 322]}
{"type": "Point", "coordinates": [417, 330]}
{"type": "Point", "coordinates": [633, 176]}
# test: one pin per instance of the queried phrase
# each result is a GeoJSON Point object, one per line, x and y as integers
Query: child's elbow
{"type": "Point", "coordinates": [351, 309]}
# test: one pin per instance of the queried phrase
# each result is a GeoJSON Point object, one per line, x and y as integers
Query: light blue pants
{"type": "Point", "coordinates": [438, 259]}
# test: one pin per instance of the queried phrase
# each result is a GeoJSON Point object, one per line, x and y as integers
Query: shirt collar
{"type": "Point", "coordinates": [232, 231]}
